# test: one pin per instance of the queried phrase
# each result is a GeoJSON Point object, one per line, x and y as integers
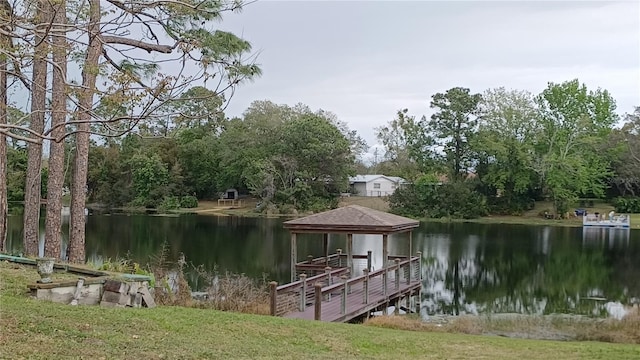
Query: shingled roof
{"type": "Point", "coordinates": [352, 219]}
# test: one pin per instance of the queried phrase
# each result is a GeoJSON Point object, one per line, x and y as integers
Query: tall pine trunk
{"type": "Point", "coordinates": [53, 221]}
{"type": "Point", "coordinates": [85, 103]}
{"type": "Point", "coordinates": [3, 154]}
{"type": "Point", "coordinates": [34, 150]}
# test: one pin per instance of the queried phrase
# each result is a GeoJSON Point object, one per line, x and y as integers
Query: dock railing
{"type": "Point", "coordinates": [313, 266]}
{"type": "Point", "coordinates": [296, 295]}
{"type": "Point", "coordinates": [314, 290]}
{"type": "Point", "coordinates": [344, 288]}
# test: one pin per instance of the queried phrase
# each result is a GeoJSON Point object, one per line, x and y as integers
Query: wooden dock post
{"type": "Point", "coordinates": [385, 276]}
{"type": "Point", "coordinates": [398, 273]}
{"type": "Point", "coordinates": [325, 248]}
{"type": "Point", "coordinates": [343, 304]}
{"type": "Point", "coordinates": [410, 250]}
{"type": "Point", "coordinates": [350, 253]}
{"type": "Point", "coordinates": [317, 314]}
{"type": "Point", "coordinates": [385, 250]}
{"type": "Point", "coordinates": [303, 292]}
{"type": "Point", "coordinates": [327, 270]}
{"type": "Point", "coordinates": [409, 271]}
{"type": "Point", "coordinates": [294, 256]}
{"type": "Point", "coordinates": [273, 297]}
{"type": "Point", "coordinates": [365, 286]}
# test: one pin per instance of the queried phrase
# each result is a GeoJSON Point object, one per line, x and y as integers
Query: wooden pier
{"type": "Point", "coordinates": [334, 296]}
{"type": "Point", "coordinates": [331, 288]}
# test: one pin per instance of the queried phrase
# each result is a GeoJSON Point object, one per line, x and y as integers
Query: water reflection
{"type": "Point", "coordinates": [610, 237]}
{"type": "Point", "coordinates": [476, 269]}
{"type": "Point", "coordinates": [467, 268]}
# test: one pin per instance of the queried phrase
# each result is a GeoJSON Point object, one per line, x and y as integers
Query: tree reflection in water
{"type": "Point", "coordinates": [481, 269]}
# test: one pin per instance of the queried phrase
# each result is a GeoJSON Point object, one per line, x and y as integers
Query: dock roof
{"type": "Point", "coordinates": [353, 219]}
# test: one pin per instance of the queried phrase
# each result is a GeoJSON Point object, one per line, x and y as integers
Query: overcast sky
{"type": "Point", "coordinates": [364, 60]}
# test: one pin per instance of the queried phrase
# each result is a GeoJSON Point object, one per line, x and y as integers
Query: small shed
{"type": "Point", "coordinates": [349, 220]}
{"type": "Point", "coordinates": [230, 194]}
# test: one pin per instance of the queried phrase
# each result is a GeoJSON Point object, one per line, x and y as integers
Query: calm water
{"type": "Point", "coordinates": [467, 268]}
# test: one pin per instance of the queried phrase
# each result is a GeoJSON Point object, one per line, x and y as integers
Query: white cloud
{"type": "Point", "coordinates": [365, 60]}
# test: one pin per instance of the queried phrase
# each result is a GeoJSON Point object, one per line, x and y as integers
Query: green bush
{"type": "Point", "coordinates": [286, 209]}
{"type": "Point", "coordinates": [627, 204]}
{"type": "Point", "coordinates": [432, 200]}
{"type": "Point", "coordinates": [319, 204]}
{"type": "Point", "coordinates": [169, 203]}
{"type": "Point", "coordinates": [188, 202]}
{"type": "Point", "coordinates": [509, 205]}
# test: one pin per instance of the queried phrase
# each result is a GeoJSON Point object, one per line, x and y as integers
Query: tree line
{"type": "Point", "coordinates": [287, 157]}
{"type": "Point", "coordinates": [499, 151]}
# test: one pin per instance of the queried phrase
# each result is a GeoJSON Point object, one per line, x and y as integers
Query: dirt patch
{"type": "Point", "coordinates": [376, 203]}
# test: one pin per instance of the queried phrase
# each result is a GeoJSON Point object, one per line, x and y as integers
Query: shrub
{"type": "Point", "coordinates": [234, 292]}
{"type": "Point", "coordinates": [169, 203]}
{"type": "Point", "coordinates": [172, 287]}
{"type": "Point", "coordinates": [126, 266]}
{"type": "Point", "coordinates": [225, 291]}
{"type": "Point", "coordinates": [459, 201]}
{"type": "Point", "coordinates": [286, 209]}
{"type": "Point", "coordinates": [505, 205]}
{"type": "Point", "coordinates": [451, 200]}
{"type": "Point", "coordinates": [318, 204]}
{"type": "Point", "coordinates": [627, 204]}
{"type": "Point", "coordinates": [188, 202]}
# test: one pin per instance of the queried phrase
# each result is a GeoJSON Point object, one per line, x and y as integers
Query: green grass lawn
{"type": "Point", "coordinates": [40, 330]}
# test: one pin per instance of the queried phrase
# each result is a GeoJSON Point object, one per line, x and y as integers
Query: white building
{"type": "Point", "coordinates": [375, 185]}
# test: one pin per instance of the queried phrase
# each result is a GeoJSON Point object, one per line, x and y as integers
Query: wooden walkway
{"type": "Point", "coordinates": [333, 296]}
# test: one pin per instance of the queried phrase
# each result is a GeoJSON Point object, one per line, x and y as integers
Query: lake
{"type": "Point", "coordinates": [467, 268]}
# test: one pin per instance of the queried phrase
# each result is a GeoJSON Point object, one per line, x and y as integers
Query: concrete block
{"type": "Point", "coordinates": [147, 298]}
{"type": "Point", "coordinates": [137, 300]}
{"type": "Point", "coordinates": [116, 286]}
{"type": "Point", "coordinates": [89, 294]}
{"type": "Point", "coordinates": [116, 298]}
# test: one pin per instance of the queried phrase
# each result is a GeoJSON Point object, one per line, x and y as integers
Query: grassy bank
{"type": "Point", "coordinates": [41, 330]}
{"type": "Point", "coordinates": [549, 327]}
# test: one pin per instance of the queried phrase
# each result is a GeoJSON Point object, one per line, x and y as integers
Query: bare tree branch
{"type": "Point", "coordinates": [165, 49]}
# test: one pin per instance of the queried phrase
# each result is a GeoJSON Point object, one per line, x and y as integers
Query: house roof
{"type": "Point", "coordinates": [369, 178]}
{"type": "Point", "coordinates": [352, 219]}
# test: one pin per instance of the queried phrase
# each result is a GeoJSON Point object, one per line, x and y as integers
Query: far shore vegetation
{"type": "Point", "coordinates": [535, 216]}
{"type": "Point", "coordinates": [492, 156]}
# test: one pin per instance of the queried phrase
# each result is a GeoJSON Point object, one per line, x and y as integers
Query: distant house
{"type": "Point", "coordinates": [375, 185]}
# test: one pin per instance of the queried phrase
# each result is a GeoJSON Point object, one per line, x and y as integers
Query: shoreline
{"type": "Point", "coordinates": [491, 219]}
{"type": "Point", "coordinates": [210, 208]}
